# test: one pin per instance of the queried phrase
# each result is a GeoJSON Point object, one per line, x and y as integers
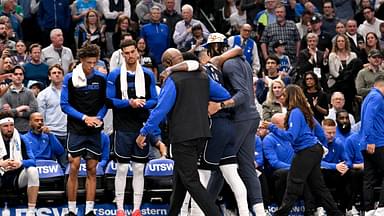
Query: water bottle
{"type": "Point", "coordinates": [5, 211]}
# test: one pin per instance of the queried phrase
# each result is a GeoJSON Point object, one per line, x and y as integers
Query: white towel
{"type": "Point", "coordinates": [14, 149]}
{"type": "Point", "coordinates": [139, 81]}
{"type": "Point", "coordinates": [78, 77]}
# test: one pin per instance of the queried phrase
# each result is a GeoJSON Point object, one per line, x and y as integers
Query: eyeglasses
{"type": "Point", "coordinates": [309, 78]}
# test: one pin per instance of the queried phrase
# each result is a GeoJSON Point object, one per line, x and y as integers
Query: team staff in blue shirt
{"type": "Point", "coordinates": [372, 140]}
{"type": "Point", "coordinates": [45, 146]}
{"type": "Point", "coordinates": [279, 153]}
{"type": "Point", "coordinates": [302, 130]}
{"type": "Point", "coordinates": [334, 166]}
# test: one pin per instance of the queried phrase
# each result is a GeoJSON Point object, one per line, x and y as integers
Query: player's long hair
{"type": "Point", "coordinates": [295, 98]}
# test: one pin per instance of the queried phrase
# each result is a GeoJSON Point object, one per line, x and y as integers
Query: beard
{"type": "Point", "coordinates": [344, 128]}
{"type": "Point", "coordinates": [3, 36]}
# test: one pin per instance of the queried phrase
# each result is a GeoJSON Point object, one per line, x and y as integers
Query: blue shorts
{"type": "Point", "coordinates": [220, 148]}
{"type": "Point", "coordinates": [126, 149]}
{"type": "Point", "coordinates": [87, 146]}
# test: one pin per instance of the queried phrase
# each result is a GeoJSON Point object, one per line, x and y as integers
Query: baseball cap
{"type": "Point", "coordinates": [215, 38]}
{"type": "Point", "coordinates": [374, 53]}
{"type": "Point", "coordinates": [32, 83]}
{"type": "Point", "coordinates": [315, 19]}
{"type": "Point", "coordinates": [278, 43]}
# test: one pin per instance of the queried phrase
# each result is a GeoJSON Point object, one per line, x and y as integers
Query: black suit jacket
{"type": "Point", "coordinates": [354, 47]}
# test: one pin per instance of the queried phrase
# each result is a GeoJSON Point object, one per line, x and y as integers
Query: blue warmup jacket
{"type": "Point", "coordinates": [372, 119]}
{"type": "Point", "coordinates": [336, 154]}
{"type": "Point", "coordinates": [259, 154]}
{"type": "Point", "coordinates": [278, 152]}
{"type": "Point", "coordinates": [44, 146]}
{"type": "Point", "coordinates": [167, 99]}
{"type": "Point", "coordinates": [157, 37]}
{"type": "Point", "coordinates": [353, 150]}
{"type": "Point", "coordinates": [342, 137]}
{"type": "Point", "coordinates": [105, 149]}
{"type": "Point", "coordinates": [299, 133]}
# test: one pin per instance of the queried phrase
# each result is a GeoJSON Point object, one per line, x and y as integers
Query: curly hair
{"type": "Point", "coordinates": [295, 98]}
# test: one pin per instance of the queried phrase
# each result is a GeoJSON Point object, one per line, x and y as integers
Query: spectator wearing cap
{"type": "Point", "coordinates": [36, 69]}
{"type": "Point", "coordinates": [371, 23]}
{"type": "Point", "coordinates": [156, 35]}
{"type": "Point", "coordinates": [248, 45]}
{"type": "Point", "coordinates": [284, 30]}
{"type": "Point", "coordinates": [183, 28]}
{"type": "Point", "coordinates": [366, 76]}
{"type": "Point", "coordinates": [35, 86]}
{"type": "Point", "coordinates": [194, 45]}
{"type": "Point", "coordinates": [170, 17]}
{"type": "Point", "coordinates": [324, 39]}
{"type": "Point", "coordinates": [19, 101]}
{"type": "Point", "coordinates": [279, 50]}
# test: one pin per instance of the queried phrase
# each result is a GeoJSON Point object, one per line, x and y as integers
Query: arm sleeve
{"type": "Point", "coordinates": [217, 92]}
{"type": "Point", "coordinates": [333, 69]}
{"type": "Point", "coordinates": [28, 157]}
{"type": "Point", "coordinates": [327, 165]}
{"type": "Point", "coordinates": [111, 91]}
{"type": "Point", "coordinates": [369, 119]}
{"type": "Point", "coordinates": [64, 103]}
{"type": "Point", "coordinates": [270, 154]}
{"type": "Point", "coordinates": [151, 102]}
{"type": "Point", "coordinates": [105, 142]}
{"type": "Point", "coordinates": [180, 33]}
{"type": "Point", "coordinates": [167, 99]}
{"type": "Point", "coordinates": [56, 146]}
{"type": "Point", "coordinates": [261, 91]}
{"type": "Point", "coordinates": [238, 82]}
{"type": "Point", "coordinates": [295, 126]}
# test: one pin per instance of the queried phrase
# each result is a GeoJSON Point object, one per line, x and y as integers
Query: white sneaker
{"type": "Point", "coordinates": [353, 212]}
{"type": "Point", "coordinates": [379, 211]}
{"type": "Point", "coordinates": [370, 213]}
{"type": "Point", "coordinates": [320, 212]}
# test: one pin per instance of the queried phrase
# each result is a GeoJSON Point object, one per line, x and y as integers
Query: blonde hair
{"type": "Point", "coordinates": [271, 97]}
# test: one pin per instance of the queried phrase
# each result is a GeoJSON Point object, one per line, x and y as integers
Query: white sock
{"type": "Point", "coordinates": [31, 208]}
{"type": "Point", "coordinates": [258, 209]}
{"type": "Point", "coordinates": [137, 184]}
{"type": "Point", "coordinates": [89, 206]}
{"type": "Point", "coordinates": [184, 211]}
{"type": "Point", "coordinates": [72, 206]}
{"type": "Point", "coordinates": [232, 177]}
{"type": "Point", "coordinates": [204, 176]}
{"type": "Point", "coordinates": [120, 181]}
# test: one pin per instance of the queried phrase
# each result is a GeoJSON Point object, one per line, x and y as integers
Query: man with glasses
{"type": "Point", "coordinates": [371, 23]}
{"type": "Point", "coordinates": [248, 45]}
{"type": "Point", "coordinates": [366, 76]}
